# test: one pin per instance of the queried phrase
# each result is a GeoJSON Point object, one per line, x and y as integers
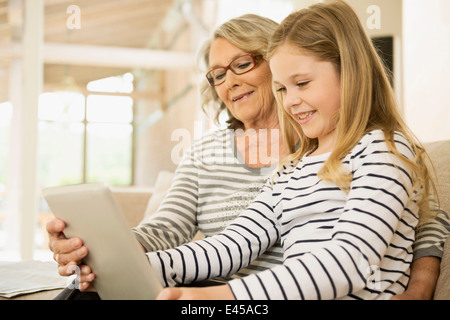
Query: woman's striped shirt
{"type": "Point", "coordinates": [355, 245]}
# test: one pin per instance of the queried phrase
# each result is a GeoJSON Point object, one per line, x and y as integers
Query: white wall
{"type": "Point", "coordinates": [427, 68]}
{"type": "Point", "coordinates": [384, 18]}
{"type": "Point", "coordinates": [276, 10]}
{"type": "Point", "coordinates": [380, 18]}
{"type": "Point", "coordinates": [421, 31]}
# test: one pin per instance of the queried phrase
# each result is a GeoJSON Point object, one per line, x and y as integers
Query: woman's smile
{"type": "Point", "coordinates": [242, 97]}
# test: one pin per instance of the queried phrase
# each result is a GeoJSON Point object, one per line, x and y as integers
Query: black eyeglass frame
{"type": "Point", "coordinates": [256, 60]}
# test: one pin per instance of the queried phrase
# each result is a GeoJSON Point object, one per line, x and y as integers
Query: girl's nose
{"type": "Point", "coordinates": [292, 100]}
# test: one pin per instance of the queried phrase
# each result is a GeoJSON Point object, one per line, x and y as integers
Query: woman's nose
{"type": "Point", "coordinates": [231, 79]}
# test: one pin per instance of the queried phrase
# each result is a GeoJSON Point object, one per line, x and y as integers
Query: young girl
{"type": "Point", "coordinates": [345, 204]}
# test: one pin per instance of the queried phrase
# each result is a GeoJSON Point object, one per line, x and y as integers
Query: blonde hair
{"type": "Point", "coordinates": [332, 32]}
{"type": "Point", "coordinates": [250, 33]}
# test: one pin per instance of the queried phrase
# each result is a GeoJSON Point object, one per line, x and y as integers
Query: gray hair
{"type": "Point", "coordinates": [250, 33]}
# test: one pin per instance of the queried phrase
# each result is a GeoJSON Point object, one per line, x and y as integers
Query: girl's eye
{"type": "Point", "coordinates": [281, 90]}
{"type": "Point", "coordinates": [302, 84]}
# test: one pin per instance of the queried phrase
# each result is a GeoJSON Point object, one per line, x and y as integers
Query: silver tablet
{"type": "Point", "coordinates": [122, 271]}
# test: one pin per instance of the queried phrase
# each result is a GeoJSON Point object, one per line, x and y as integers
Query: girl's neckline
{"type": "Point", "coordinates": [241, 160]}
{"type": "Point", "coordinates": [308, 157]}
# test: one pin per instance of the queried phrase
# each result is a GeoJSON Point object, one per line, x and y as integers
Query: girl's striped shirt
{"type": "Point", "coordinates": [337, 245]}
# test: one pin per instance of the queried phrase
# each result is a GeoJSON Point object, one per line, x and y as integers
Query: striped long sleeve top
{"type": "Point", "coordinates": [337, 245]}
{"type": "Point", "coordinates": [211, 187]}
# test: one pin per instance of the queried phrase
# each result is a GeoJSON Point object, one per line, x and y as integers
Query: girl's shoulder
{"type": "Point", "coordinates": [375, 141]}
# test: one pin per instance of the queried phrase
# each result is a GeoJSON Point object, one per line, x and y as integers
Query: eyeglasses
{"type": "Point", "coordinates": [238, 66]}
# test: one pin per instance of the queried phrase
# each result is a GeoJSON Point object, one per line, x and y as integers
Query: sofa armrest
{"type": "Point", "coordinates": [443, 285]}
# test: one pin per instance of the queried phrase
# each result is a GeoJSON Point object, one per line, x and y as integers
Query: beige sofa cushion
{"type": "Point", "coordinates": [440, 156]}
{"type": "Point", "coordinates": [132, 201]}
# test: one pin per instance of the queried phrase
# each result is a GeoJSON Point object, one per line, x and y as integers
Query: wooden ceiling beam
{"type": "Point", "coordinates": [94, 9]}
{"type": "Point", "coordinates": [117, 57]}
{"type": "Point", "coordinates": [106, 56]}
{"type": "Point", "coordinates": [105, 35]}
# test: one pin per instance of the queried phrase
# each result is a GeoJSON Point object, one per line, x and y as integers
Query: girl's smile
{"type": "Point", "coordinates": [304, 117]}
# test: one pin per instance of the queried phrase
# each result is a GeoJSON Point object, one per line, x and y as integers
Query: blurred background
{"type": "Point", "coordinates": [107, 90]}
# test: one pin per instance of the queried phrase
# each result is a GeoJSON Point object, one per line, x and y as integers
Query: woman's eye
{"type": "Point", "coordinates": [281, 90]}
{"type": "Point", "coordinates": [219, 76]}
{"type": "Point", "coordinates": [244, 65]}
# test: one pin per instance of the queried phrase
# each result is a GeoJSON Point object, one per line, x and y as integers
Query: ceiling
{"type": "Point", "coordinates": [131, 24]}
{"type": "Point", "coordinates": [128, 23]}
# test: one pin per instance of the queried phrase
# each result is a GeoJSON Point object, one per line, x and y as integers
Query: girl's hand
{"type": "Point", "coordinates": [222, 292]}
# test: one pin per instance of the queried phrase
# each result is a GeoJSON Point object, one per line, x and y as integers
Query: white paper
{"type": "Point", "coordinates": [18, 278]}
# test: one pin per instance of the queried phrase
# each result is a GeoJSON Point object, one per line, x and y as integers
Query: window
{"type": "Point", "coordinates": [5, 128]}
{"type": "Point", "coordinates": [61, 138]}
{"type": "Point", "coordinates": [85, 139]}
{"type": "Point", "coordinates": [109, 139]}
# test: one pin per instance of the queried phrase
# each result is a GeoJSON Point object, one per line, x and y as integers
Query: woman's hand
{"type": "Point", "coordinates": [423, 279]}
{"type": "Point", "coordinates": [68, 254]}
{"type": "Point", "coordinates": [222, 292]}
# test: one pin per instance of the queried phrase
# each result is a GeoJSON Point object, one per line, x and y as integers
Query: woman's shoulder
{"type": "Point", "coordinates": [212, 137]}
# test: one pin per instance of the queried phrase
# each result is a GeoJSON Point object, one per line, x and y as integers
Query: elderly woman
{"type": "Point", "coordinates": [226, 169]}
{"type": "Point", "coordinates": [223, 171]}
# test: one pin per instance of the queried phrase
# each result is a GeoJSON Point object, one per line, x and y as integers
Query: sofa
{"type": "Point", "coordinates": [138, 203]}
{"type": "Point", "coordinates": [440, 155]}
